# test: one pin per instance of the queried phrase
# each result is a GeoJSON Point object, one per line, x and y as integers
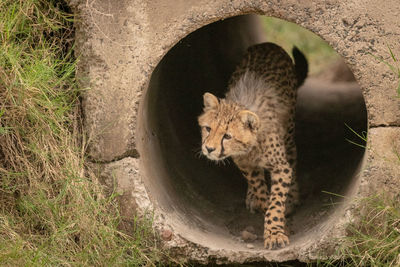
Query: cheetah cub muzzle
{"type": "Point", "coordinates": [254, 125]}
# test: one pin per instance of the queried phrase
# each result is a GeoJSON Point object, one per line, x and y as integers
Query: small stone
{"type": "Point", "coordinates": [250, 246]}
{"type": "Point", "coordinates": [250, 229]}
{"type": "Point", "coordinates": [247, 236]}
{"type": "Point", "coordinates": [166, 235]}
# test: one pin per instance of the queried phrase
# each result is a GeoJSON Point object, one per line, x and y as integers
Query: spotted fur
{"type": "Point", "coordinates": [254, 124]}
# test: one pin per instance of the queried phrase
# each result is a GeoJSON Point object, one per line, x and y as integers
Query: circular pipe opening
{"type": "Point", "coordinates": [205, 202]}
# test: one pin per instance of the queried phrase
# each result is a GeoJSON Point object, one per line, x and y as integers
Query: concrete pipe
{"type": "Point", "coordinates": [147, 64]}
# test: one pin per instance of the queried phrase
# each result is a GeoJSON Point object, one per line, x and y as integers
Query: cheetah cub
{"type": "Point", "coordinates": [254, 125]}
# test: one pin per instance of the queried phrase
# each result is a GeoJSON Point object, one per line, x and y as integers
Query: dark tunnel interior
{"type": "Point", "coordinates": [211, 197]}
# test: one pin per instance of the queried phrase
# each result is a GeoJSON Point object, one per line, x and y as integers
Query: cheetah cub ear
{"type": "Point", "coordinates": [210, 101]}
{"type": "Point", "coordinates": [250, 120]}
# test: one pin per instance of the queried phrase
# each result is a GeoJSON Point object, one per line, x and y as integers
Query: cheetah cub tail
{"type": "Point", "coordinates": [300, 65]}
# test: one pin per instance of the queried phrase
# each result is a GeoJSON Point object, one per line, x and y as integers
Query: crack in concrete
{"type": "Point", "coordinates": [132, 153]}
{"type": "Point", "coordinates": [383, 126]}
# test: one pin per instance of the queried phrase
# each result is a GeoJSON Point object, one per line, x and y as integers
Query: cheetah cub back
{"type": "Point", "coordinates": [254, 125]}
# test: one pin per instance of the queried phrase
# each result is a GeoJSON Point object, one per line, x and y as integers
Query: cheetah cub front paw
{"type": "Point", "coordinates": [275, 240]}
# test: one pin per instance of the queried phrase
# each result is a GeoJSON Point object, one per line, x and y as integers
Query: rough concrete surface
{"type": "Point", "coordinates": [147, 64]}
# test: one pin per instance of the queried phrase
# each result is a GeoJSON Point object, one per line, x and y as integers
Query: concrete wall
{"type": "Point", "coordinates": [120, 44]}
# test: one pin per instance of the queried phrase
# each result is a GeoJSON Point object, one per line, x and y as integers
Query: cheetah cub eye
{"type": "Point", "coordinates": [208, 129]}
{"type": "Point", "coordinates": [227, 136]}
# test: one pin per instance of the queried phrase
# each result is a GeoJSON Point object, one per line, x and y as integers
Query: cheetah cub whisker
{"type": "Point", "coordinates": [254, 125]}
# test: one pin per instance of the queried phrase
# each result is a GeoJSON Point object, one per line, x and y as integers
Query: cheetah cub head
{"type": "Point", "coordinates": [227, 129]}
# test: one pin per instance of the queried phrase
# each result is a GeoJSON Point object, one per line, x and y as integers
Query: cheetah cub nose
{"type": "Point", "coordinates": [210, 149]}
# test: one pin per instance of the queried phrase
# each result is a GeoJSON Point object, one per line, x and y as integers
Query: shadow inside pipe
{"type": "Point", "coordinates": [211, 197]}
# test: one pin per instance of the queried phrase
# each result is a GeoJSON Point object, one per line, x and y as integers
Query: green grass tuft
{"type": "Point", "coordinates": [374, 239]}
{"type": "Point", "coordinates": [52, 209]}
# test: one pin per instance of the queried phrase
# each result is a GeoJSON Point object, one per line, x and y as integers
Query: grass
{"type": "Point", "coordinates": [319, 53]}
{"type": "Point", "coordinates": [361, 138]}
{"type": "Point", "coordinates": [374, 239]}
{"type": "Point", "coordinates": [52, 210]}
